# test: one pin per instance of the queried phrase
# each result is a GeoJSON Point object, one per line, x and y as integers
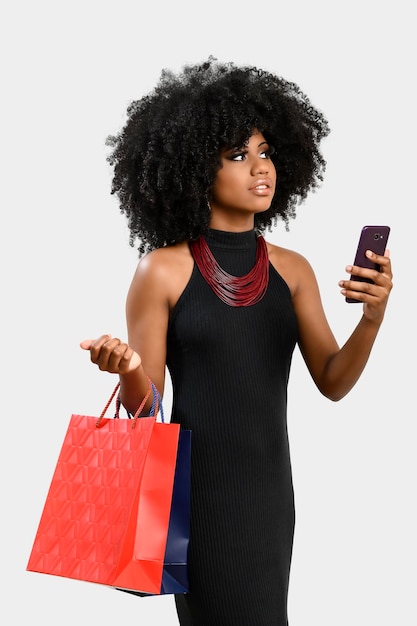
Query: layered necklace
{"type": "Point", "coordinates": [233, 290]}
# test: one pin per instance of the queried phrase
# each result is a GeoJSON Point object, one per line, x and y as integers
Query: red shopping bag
{"type": "Point", "coordinates": [107, 511]}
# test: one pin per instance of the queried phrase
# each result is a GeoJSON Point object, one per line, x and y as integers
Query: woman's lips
{"type": "Point", "coordinates": [262, 187]}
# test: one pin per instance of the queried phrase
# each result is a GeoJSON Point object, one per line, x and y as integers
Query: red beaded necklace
{"type": "Point", "coordinates": [233, 290]}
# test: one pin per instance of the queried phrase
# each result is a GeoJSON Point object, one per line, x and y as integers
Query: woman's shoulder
{"type": "Point", "coordinates": [169, 268]}
{"type": "Point", "coordinates": [279, 255]}
{"type": "Point", "coordinates": [291, 265]}
{"type": "Point", "coordinates": [165, 260]}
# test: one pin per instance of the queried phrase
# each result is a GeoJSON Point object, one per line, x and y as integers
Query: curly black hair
{"type": "Point", "coordinates": [166, 157]}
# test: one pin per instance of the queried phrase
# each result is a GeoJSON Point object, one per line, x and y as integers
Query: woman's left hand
{"type": "Point", "coordinates": [373, 295]}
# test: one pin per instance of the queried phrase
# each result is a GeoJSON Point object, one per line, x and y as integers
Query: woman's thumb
{"type": "Point", "coordinates": [86, 344]}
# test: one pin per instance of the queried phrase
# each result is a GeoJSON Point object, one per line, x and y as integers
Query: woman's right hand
{"type": "Point", "coordinates": [112, 355]}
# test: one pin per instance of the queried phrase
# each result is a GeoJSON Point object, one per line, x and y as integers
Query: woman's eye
{"type": "Point", "coordinates": [266, 154]}
{"type": "Point", "coordinates": [239, 156]}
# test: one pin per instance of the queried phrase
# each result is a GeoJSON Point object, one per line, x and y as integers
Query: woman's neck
{"type": "Point", "coordinates": [235, 223]}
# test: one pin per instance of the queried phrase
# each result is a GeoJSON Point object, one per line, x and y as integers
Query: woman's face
{"type": "Point", "coordinates": [245, 182]}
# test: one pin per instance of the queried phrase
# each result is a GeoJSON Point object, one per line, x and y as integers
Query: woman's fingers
{"type": "Point", "coordinates": [111, 354]}
{"type": "Point", "coordinates": [86, 344]}
{"type": "Point", "coordinates": [374, 295]}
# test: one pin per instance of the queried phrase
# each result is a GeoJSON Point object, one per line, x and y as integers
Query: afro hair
{"type": "Point", "coordinates": [166, 156]}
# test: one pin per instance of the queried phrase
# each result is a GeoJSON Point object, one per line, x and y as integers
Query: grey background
{"type": "Point", "coordinates": [69, 70]}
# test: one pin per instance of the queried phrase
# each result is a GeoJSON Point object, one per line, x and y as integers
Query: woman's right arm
{"type": "Point", "coordinates": [144, 354]}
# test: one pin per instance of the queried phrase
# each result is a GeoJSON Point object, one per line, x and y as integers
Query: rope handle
{"type": "Point", "coordinates": [155, 408]}
{"type": "Point", "coordinates": [157, 404]}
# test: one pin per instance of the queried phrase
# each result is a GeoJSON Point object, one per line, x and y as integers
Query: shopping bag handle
{"type": "Point", "coordinates": [155, 408]}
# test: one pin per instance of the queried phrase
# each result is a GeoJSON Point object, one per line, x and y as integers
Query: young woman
{"type": "Point", "coordinates": [207, 162]}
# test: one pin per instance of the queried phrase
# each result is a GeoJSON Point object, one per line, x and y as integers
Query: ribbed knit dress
{"type": "Point", "coordinates": [229, 368]}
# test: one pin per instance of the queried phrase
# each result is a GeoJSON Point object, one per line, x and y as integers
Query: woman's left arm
{"type": "Point", "coordinates": [336, 370]}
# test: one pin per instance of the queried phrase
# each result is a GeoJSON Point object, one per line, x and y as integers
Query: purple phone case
{"type": "Point", "coordinates": [372, 238]}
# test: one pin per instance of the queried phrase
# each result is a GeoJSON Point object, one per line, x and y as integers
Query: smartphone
{"type": "Point", "coordinates": [371, 238]}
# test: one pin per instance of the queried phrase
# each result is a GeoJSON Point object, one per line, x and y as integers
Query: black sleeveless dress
{"type": "Point", "coordinates": [229, 368]}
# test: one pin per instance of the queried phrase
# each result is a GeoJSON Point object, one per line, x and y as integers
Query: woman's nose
{"type": "Point", "coordinates": [260, 166]}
